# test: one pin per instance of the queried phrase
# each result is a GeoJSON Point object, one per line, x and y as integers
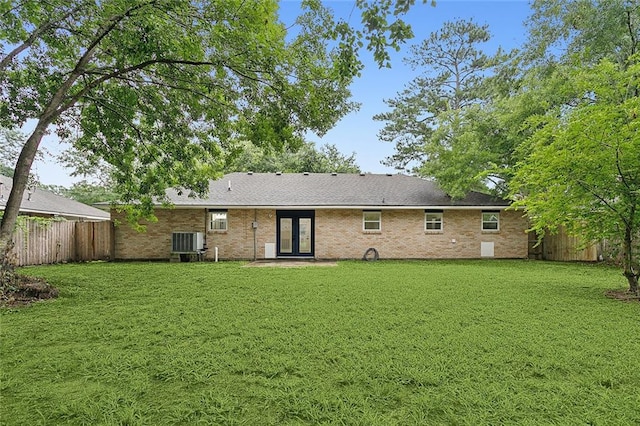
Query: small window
{"type": "Point", "coordinates": [432, 221]}
{"type": "Point", "coordinates": [490, 221]}
{"type": "Point", "coordinates": [371, 221]}
{"type": "Point", "coordinates": [218, 220]}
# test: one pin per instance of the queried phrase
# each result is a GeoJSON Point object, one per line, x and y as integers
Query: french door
{"type": "Point", "coordinates": [295, 233]}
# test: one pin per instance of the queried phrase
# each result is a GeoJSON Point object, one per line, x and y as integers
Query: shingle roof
{"type": "Point", "coordinates": [47, 203]}
{"type": "Point", "coordinates": [299, 190]}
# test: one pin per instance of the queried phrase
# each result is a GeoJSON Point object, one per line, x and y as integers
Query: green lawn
{"type": "Point", "coordinates": [370, 343]}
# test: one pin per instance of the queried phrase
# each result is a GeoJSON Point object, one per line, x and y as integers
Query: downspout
{"type": "Point", "coordinates": [206, 219]}
{"type": "Point", "coordinates": [206, 227]}
{"type": "Point", "coordinates": [254, 225]}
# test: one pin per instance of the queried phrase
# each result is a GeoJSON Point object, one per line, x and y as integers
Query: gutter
{"type": "Point", "coordinates": [334, 207]}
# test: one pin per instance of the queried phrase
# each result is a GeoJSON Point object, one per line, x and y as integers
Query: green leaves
{"type": "Point", "coordinates": [582, 32]}
{"type": "Point", "coordinates": [580, 166]}
{"type": "Point", "coordinates": [158, 89]}
{"type": "Point", "coordinates": [436, 123]}
{"type": "Point", "coordinates": [247, 157]}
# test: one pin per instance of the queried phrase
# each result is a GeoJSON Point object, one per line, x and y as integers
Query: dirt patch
{"type": "Point", "coordinates": [26, 291]}
{"type": "Point", "coordinates": [288, 263]}
{"type": "Point", "coordinates": [623, 295]}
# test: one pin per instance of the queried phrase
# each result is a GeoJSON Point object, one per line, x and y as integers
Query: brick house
{"type": "Point", "coordinates": [329, 216]}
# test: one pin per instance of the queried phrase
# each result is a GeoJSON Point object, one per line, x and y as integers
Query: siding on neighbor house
{"type": "Point", "coordinates": [338, 234]}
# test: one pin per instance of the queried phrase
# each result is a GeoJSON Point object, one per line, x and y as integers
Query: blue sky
{"type": "Point", "coordinates": [357, 132]}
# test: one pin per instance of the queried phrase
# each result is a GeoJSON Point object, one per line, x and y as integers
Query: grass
{"type": "Point", "coordinates": [363, 343]}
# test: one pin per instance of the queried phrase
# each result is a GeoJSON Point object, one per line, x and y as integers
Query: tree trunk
{"type": "Point", "coordinates": [8, 279]}
{"type": "Point", "coordinates": [20, 180]}
{"type": "Point", "coordinates": [632, 278]}
{"type": "Point", "coordinates": [633, 283]}
{"type": "Point", "coordinates": [628, 262]}
{"type": "Point", "coordinates": [49, 114]}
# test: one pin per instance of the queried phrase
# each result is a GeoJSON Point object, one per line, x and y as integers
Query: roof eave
{"type": "Point", "coordinates": [59, 213]}
{"type": "Point", "coordinates": [337, 207]}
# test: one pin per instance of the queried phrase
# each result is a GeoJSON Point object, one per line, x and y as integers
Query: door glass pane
{"type": "Point", "coordinates": [304, 235]}
{"type": "Point", "coordinates": [286, 235]}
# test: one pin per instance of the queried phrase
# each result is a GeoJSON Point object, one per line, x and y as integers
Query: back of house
{"type": "Point", "coordinates": [326, 216]}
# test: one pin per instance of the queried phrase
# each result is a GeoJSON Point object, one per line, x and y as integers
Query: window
{"type": "Point", "coordinates": [371, 220]}
{"type": "Point", "coordinates": [217, 220]}
{"type": "Point", "coordinates": [432, 220]}
{"type": "Point", "coordinates": [490, 221]}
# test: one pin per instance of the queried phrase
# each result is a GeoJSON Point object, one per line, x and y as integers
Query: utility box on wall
{"type": "Point", "coordinates": [269, 250]}
{"type": "Point", "coordinates": [487, 249]}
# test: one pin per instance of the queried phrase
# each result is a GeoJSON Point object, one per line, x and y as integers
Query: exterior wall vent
{"type": "Point", "coordinates": [187, 242]}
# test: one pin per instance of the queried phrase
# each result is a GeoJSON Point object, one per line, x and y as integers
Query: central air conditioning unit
{"type": "Point", "coordinates": [187, 242]}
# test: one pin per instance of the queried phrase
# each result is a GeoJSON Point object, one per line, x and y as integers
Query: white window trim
{"type": "Point", "coordinates": [441, 222]}
{"type": "Point", "coordinates": [379, 221]}
{"type": "Point", "coordinates": [482, 221]}
{"type": "Point", "coordinates": [211, 221]}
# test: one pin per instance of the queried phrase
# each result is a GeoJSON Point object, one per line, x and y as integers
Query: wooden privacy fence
{"type": "Point", "coordinates": [562, 247]}
{"type": "Point", "coordinates": [39, 243]}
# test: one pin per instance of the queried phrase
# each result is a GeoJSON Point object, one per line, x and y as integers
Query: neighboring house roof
{"type": "Point", "coordinates": [310, 190]}
{"type": "Point", "coordinates": [42, 202]}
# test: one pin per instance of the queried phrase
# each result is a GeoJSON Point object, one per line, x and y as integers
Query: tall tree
{"type": "Point", "coordinates": [435, 122]}
{"type": "Point", "coordinates": [85, 192]}
{"type": "Point", "coordinates": [307, 158]}
{"type": "Point", "coordinates": [563, 35]}
{"type": "Point", "coordinates": [157, 88]}
{"type": "Point", "coordinates": [330, 159]}
{"type": "Point", "coordinates": [577, 104]}
{"type": "Point", "coordinates": [582, 31]}
{"type": "Point", "coordinates": [581, 167]}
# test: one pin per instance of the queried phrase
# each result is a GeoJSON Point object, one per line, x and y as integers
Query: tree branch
{"type": "Point", "coordinates": [138, 132]}
{"type": "Point", "coordinates": [33, 37]}
{"type": "Point", "coordinates": [148, 63]}
{"type": "Point", "coordinates": [632, 35]}
{"type": "Point", "coordinates": [55, 107]}
{"type": "Point", "coordinates": [162, 84]}
{"type": "Point", "coordinates": [604, 201]}
{"type": "Point", "coordinates": [623, 178]}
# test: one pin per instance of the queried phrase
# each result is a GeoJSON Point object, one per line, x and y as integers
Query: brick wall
{"type": "Point", "coordinates": [238, 241]}
{"type": "Point", "coordinates": [155, 243]}
{"type": "Point", "coordinates": [338, 235]}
